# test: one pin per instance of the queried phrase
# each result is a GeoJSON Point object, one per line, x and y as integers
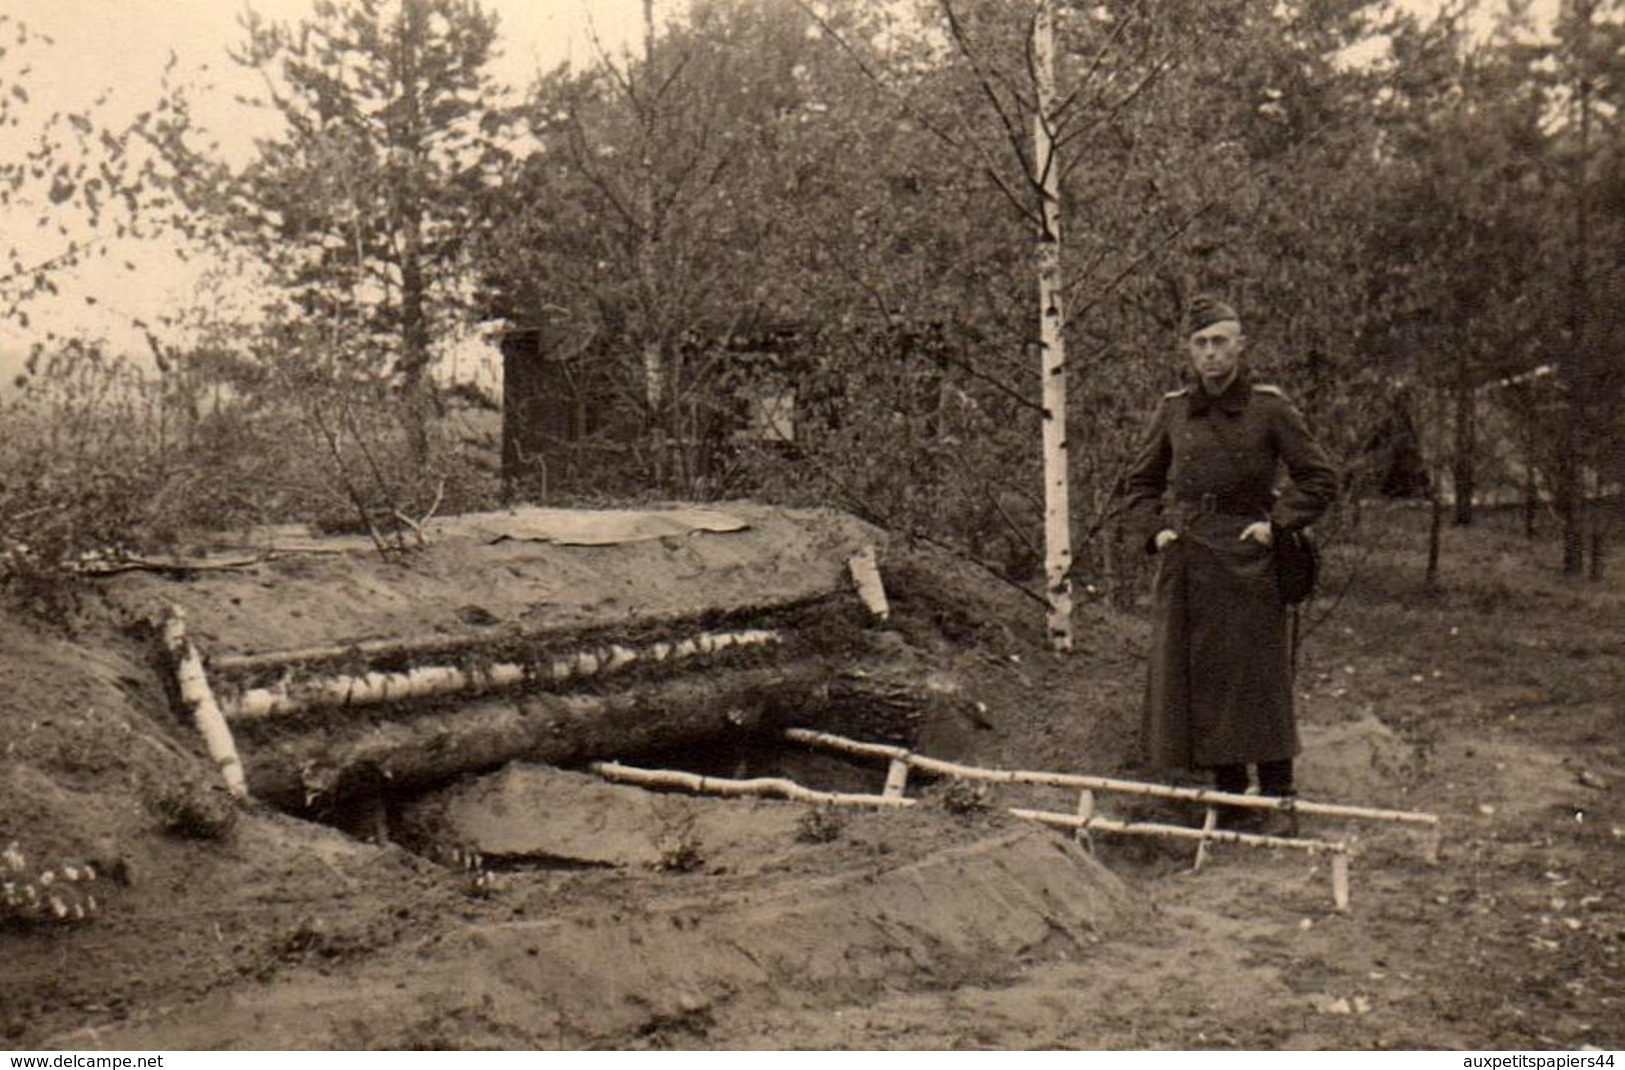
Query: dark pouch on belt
{"type": "Point", "coordinates": [1297, 566]}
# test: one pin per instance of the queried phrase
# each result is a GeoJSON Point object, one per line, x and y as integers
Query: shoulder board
{"type": "Point", "coordinates": [1181, 392]}
{"type": "Point", "coordinates": [1266, 388]}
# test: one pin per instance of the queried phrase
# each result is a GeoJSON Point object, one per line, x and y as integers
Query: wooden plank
{"type": "Point", "coordinates": [1210, 822]}
{"type": "Point", "coordinates": [866, 578]}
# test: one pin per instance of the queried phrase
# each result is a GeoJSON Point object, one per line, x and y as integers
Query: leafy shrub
{"type": "Point", "coordinates": [821, 825]}
{"type": "Point", "coordinates": [678, 845]}
{"type": "Point", "coordinates": [964, 798]}
{"type": "Point", "coordinates": [194, 811]}
{"type": "Point", "coordinates": [100, 459]}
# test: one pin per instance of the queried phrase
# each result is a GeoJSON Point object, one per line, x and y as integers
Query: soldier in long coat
{"type": "Point", "coordinates": [1201, 494]}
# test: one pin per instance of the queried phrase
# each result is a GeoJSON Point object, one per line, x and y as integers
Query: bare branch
{"type": "Point", "coordinates": [1012, 131]}
{"type": "Point", "coordinates": [870, 73]}
{"type": "Point", "coordinates": [1122, 102]}
{"type": "Point", "coordinates": [942, 134]}
{"type": "Point", "coordinates": [676, 72]}
{"type": "Point", "coordinates": [583, 153]}
{"type": "Point", "coordinates": [1021, 533]}
{"type": "Point", "coordinates": [1163, 248]}
{"type": "Point", "coordinates": [621, 78]}
{"type": "Point", "coordinates": [434, 507]}
{"type": "Point", "coordinates": [991, 380]}
{"type": "Point", "coordinates": [1094, 68]}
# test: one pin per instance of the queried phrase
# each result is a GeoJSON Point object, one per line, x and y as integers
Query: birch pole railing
{"type": "Point", "coordinates": [901, 760]}
{"type": "Point", "coordinates": [783, 788]}
{"type": "Point", "coordinates": [762, 787]}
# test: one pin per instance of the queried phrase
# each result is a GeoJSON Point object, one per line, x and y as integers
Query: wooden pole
{"type": "Point", "coordinates": [1210, 823]}
{"type": "Point", "coordinates": [1181, 832]}
{"type": "Point", "coordinates": [330, 759]}
{"type": "Point", "coordinates": [430, 681]}
{"type": "Point", "coordinates": [866, 578]}
{"type": "Point", "coordinates": [896, 780]}
{"type": "Point", "coordinates": [1086, 810]}
{"type": "Point", "coordinates": [789, 789]}
{"type": "Point", "coordinates": [1336, 848]}
{"type": "Point", "coordinates": [775, 787]}
{"type": "Point", "coordinates": [198, 700]}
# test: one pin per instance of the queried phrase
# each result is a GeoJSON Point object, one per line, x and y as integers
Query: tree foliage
{"type": "Point", "coordinates": [834, 202]}
{"type": "Point", "coordinates": [363, 203]}
{"type": "Point", "coordinates": [72, 184]}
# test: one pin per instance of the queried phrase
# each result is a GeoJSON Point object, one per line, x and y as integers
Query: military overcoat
{"type": "Point", "coordinates": [1219, 682]}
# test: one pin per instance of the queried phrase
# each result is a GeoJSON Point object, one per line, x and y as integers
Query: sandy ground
{"type": "Point", "coordinates": [607, 917]}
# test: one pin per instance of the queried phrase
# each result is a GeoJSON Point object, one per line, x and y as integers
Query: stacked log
{"type": "Point", "coordinates": [323, 725]}
{"type": "Point", "coordinates": [328, 763]}
{"type": "Point", "coordinates": [295, 694]}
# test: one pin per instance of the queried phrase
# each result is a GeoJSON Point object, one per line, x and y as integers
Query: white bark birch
{"type": "Point", "coordinates": [192, 683]}
{"type": "Point", "coordinates": [1052, 347]}
{"type": "Point", "coordinates": [349, 690]}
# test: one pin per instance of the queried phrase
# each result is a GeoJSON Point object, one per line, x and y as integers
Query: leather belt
{"type": "Point", "coordinates": [1219, 505]}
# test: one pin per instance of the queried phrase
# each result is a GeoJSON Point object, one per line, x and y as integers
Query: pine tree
{"type": "Point", "coordinates": [362, 206]}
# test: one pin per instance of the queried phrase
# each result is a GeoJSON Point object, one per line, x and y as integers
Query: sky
{"type": "Point", "coordinates": [121, 46]}
{"type": "Point", "coordinates": [123, 43]}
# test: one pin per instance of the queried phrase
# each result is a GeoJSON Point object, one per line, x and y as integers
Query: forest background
{"type": "Point", "coordinates": [786, 250]}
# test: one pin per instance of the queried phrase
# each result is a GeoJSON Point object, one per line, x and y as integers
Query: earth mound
{"type": "Point", "coordinates": [502, 915]}
{"type": "Point", "coordinates": [686, 906]}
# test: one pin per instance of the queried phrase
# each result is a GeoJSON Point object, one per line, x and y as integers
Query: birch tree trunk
{"type": "Point", "coordinates": [1052, 351]}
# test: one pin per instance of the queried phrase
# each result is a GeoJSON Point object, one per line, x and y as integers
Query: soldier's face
{"type": "Point", "coordinates": [1215, 351]}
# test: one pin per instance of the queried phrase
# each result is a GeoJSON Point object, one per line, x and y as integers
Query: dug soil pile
{"type": "Point", "coordinates": [530, 568]}
{"type": "Point", "coordinates": [532, 906]}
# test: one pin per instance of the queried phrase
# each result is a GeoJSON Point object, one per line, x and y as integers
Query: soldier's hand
{"type": "Point", "coordinates": [1259, 531]}
{"type": "Point", "coordinates": [1164, 537]}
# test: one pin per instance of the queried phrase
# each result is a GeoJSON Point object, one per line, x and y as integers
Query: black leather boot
{"type": "Point", "coordinates": [1275, 778]}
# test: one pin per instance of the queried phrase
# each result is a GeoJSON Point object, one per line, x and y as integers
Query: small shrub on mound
{"type": "Point", "coordinates": [964, 798]}
{"type": "Point", "coordinates": [193, 811]}
{"type": "Point", "coordinates": [678, 846]}
{"type": "Point", "coordinates": [822, 825]}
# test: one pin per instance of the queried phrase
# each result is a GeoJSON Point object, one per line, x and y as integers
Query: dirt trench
{"type": "Point", "coordinates": [708, 924]}
{"type": "Point", "coordinates": [633, 916]}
